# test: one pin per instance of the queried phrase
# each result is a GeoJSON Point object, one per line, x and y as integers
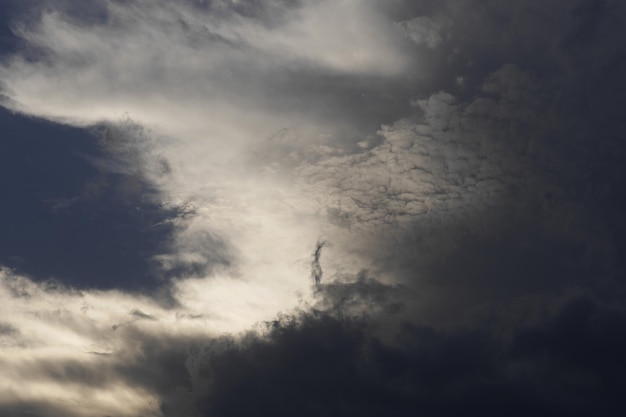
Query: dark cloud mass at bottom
{"type": "Point", "coordinates": [572, 364]}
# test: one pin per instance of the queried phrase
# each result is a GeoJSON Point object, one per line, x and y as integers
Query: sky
{"type": "Point", "coordinates": [216, 208]}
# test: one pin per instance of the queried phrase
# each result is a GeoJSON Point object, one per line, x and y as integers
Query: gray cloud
{"type": "Point", "coordinates": [462, 160]}
{"type": "Point", "coordinates": [314, 364]}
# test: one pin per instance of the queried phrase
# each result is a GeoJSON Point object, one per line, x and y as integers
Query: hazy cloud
{"type": "Point", "coordinates": [362, 208]}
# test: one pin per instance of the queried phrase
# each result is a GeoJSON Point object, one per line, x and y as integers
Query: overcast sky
{"type": "Point", "coordinates": [216, 208]}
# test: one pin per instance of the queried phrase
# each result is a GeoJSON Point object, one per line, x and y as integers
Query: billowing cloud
{"type": "Point", "coordinates": [310, 365]}
{"type": "Point", "coordinates": [361, 208]}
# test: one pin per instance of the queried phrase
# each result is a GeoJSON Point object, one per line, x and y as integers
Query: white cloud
{"type": "Point", "coordinates": [77, 350]}
{"type": "Point", "coordinates": [53, 327]}
{"type": "Point", "coordinates": [206, 86]}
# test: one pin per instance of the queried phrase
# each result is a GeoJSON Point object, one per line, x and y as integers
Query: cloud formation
{"type": "Point", "coordinates": [369, 208]}
{"type": "Point", "coordinates": [315, 364]}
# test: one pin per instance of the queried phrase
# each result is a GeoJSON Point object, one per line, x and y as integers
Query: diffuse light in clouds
{"type": "Point", "coordinates": [188, 91]}
{"type": "Point", "coordinates": [64, 347]}
{"type": "Point", "coordinates": [79, 352]}
{"type": "Point", "coordinates": [211, 81]}
{"type": "Point", "coordinates": [341, 180]}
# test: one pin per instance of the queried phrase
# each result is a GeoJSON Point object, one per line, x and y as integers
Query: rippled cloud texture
{"type": "Point", "coordinates": [322, 208]}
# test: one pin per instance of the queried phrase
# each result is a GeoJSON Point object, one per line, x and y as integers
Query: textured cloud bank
{"type": "Point", "coordinates": [328, 358]}
{"type": "Point", "coordinates": [462, 162]}
{"type": "Point", "coordinates": [313, 364]}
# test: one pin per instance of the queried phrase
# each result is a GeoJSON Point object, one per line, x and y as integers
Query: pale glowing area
{"type": "Point", "coordinates": [50, 335]}
{"type": "Point", "coordinates": [61, 373]}
{"type": "Point", "coordinates": [87, 321]}
{"type": "Point", "coordinates": [273, 240]}
{"type": "Point", "coordinates": [91, 329]}
{"type": "Point", "coordinates": [193, 79]}
{"type": "Point", "coordinates": [210, 91]}
{"type": "Point", "coordinates": [44, 324]}
{"type": "Point", "coordinates": [73, 399]}
{"type": "Point", "coordinates": [367, 39]}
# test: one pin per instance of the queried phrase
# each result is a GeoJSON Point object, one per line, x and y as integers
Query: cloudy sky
{"type": "Point", "coordinates": [216, 208]}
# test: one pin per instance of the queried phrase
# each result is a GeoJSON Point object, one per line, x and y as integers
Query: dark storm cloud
{"type": "Point", "coordinates": [318, 364]}
{"type": "Point", "coordinates": [510, 164]}
{"type": "Point", "coordinates": [362, 295]}
{"type": "Point", "coordinates": [534, 96]}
